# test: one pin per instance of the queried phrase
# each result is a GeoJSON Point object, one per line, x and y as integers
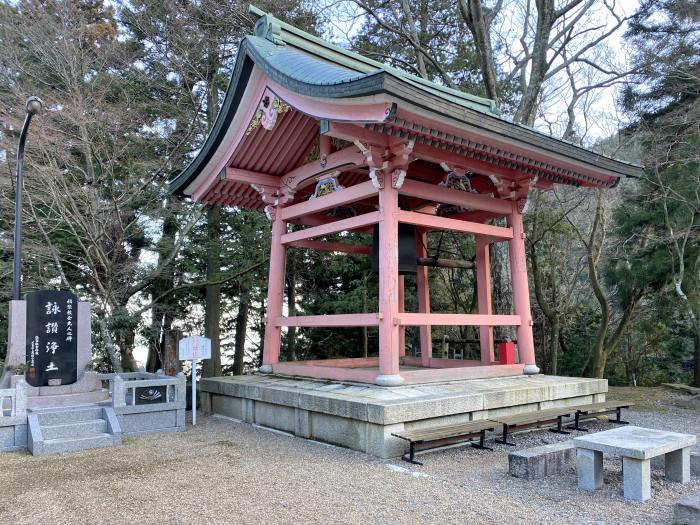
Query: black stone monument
{"type": "Point", "coordinates": [52, 338]}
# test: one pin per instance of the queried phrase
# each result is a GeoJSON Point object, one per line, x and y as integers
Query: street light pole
{"type": "Point", "coordinates": [34, 106]}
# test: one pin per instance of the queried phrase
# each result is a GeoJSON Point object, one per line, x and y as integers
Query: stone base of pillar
{"type": "Point", "coordinates": [265, 369]}
{"type": "Point", "coordinates": [531, 370]}
{"type": "Point", "coordinates": [389, 380]}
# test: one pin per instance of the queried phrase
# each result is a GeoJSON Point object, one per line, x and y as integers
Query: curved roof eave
{"type": "Point", "coordinates": [239, 80]}
{"type": "Point", "coordinates": [300, 72]}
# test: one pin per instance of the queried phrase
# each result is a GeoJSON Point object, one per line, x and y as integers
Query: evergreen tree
{"type": "Point", "coordinates": [664, 209]}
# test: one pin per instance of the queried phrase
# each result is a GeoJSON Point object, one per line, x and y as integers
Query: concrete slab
{"type": "Point", "coordinates": [362, 416]}
{"type": "Point", "coordinates": [636, 442]}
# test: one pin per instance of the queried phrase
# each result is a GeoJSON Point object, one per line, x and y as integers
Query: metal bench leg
{"type": "Point", "coordinates": [411, 455]}
{"type": "Point", "coordinates": [504, 441]}
{"type": "Point", "coordinates": [559, 430]}
{"type": "Point", "coordinates": [618, 419]}
{"type": "Point", "coordinates": [482, 437]}
{"type": "Point", "coordinates": [576, 425]}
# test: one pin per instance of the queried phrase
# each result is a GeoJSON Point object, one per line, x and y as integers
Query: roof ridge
{"type": "Point", "coordinates": [270, 27]}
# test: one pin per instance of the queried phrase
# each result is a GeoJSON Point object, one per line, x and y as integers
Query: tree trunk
{"type": "Point", "coordinates": [241, 329]}
{"type": "Point", "coordinates": [696, 342]}
{"type": "Point", "coordinates": [291, 307]}
{"type": "Point", "coordinates": [153, 361]}
{"type": "Point", "coordinates": [212, 302]}
{"type": "Point", "coordinates": [554, 330]}
{"type": "Point", "coordinates": [502, 289]}
{"type": "Point", "coordinates": [162, 314]}
{"type": "Point", "coordinates": [605, 345]}
{"type": "Point", "coordinates": [171, 360]}
{"type": "Point", "coordinates": [126, 351]}
{"type": "Point", "coordinates": [526, 111]}
{"type": "Point", "coordinates": [480, 27]}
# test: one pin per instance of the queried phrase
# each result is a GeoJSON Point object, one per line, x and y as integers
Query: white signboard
{"type": "Point", "coordinates": [191, 349]}
{"type": "Point", "coordinates": [195, 347]}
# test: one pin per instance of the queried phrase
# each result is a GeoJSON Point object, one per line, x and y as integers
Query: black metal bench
{"type": "Point", "coordinates": [531, 420]}
{"type": "Point", "coordinates": [597, 409]}
{"type": "Point", "coordinates": [429, 438]}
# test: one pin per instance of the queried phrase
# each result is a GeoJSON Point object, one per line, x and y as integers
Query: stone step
{"type": "Point", "coordinates": [67, 400]}
{"type": "Point", "coordinates": [62, 416]}
{"type": "Point", "coordinates": [59, 446]}
{"type": "Point", "coordinates": [78, 429]}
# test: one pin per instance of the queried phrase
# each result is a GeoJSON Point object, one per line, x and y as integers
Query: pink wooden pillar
{"type": "Point", "coordinates": [275, 294]}
{"type": "Point", "coordinates": [426, 342]}
{"type": "Point", "coordinates": [521, 292]}
{"type": "Point", "coordinates": [402, 308]}
{"type": "Point", "coordinates": [388, 287]}
{"type": "Point", "coordinates": [483, 286]}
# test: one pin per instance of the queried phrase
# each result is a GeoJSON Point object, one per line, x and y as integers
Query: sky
{"type": "Point", "coordinates": [597, 115]}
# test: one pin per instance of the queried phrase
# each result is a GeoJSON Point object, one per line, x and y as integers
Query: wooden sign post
{"type": "Point", "coordinates": [192, 349]}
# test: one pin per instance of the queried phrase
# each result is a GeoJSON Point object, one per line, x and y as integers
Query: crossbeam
{"type": "Point", "coordinates": [421, 319]}
{"type": "Point", "coordinates": [438, 154]}
{"type": "Point", "coordinates": [465, 199]}
{"type": "Point", "coordinates": [251, 177]}
{"type": "Point", "coordinates": [350, 132]}
{"type": "Point", "coordinates": [326, 246]}
{"type": "Point", "coordinates": [352, 223]}
{"type": "Point", "coordinates": [336, 320]}
{"type": "Point", "coordinates": [345, 158]}
{"type": "Point", "coordinates": [443, 223]}
{"type": "Point", "coordinates": [326, 202]}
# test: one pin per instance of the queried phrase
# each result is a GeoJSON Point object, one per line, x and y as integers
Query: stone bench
{"type": "Point", "coordinates": [539, 462]}
{"type": "Point", "coordinates": [637, 446]}
{"type": "Point", "coordinates": [687, 511]}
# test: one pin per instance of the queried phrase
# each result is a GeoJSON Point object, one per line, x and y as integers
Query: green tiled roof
{"type": "Point", "coordinates": [313, 67]}
{"type": "Point", "coordinates": [271, 30]}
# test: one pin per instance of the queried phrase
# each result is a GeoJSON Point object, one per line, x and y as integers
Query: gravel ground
{"type": "Point", "coordinates": [228, 472]}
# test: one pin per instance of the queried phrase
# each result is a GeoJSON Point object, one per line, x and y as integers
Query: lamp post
{"type": "Point", "coordinates": [34, 106]}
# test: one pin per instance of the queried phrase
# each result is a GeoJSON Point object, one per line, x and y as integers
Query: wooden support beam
{"type": "Point", "coordinates": [352, 223]}
{"type": "Point", "coordinates": [316, 219]}
{"type": "Point", "coordinates": [421, 319]}
{"type": "Point", "coordinates": [436, 262]}
{"type": "Point", "coordinates": [465, 199]}
{"type": "Point", "coordinates": [442, 223]}
{"type": "Point", "coordinates": [326, 202]}
{"type": "Point", "coordinates": [349, 157]}
{"type": "Point", "coordinates": [350, 132]}
{"type": "Point", "coordinates": [252, 177]}
{"type": "Point", "coordinates": [463, 161]}
{"type": "Point", "coordinates": [336, 320]}
{"type": "Point", "coordinates": [325, 246]}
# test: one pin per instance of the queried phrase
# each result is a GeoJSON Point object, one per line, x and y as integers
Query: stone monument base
{"type": "Point", "coordinates": [362, 417]}
{"type": "Point", "coordinates": [88, 389]}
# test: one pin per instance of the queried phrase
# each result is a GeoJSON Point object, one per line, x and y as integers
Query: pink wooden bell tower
{"type": "Point", "coordinates": [386, 145]}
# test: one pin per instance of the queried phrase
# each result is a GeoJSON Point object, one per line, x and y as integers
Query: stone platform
{"type": "Point", "coordinates": [362, 417]}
